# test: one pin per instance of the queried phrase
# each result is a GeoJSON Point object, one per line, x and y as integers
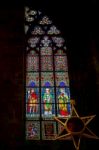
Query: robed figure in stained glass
{"type": "Point", "coordinates": [62, 100]}
{"type": "Point", "coordinates": [47, 99]}
{"type": "Point", "coordinates": [32, 101]}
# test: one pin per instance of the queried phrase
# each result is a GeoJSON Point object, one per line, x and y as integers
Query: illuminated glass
{"type": "Point", "coordinates": [47, 81]}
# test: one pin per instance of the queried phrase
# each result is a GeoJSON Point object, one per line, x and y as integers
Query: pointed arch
{"type": "Point", "coordinates": [47, 80]}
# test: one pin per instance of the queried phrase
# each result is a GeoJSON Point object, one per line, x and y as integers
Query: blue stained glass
{"type": "Point", "coordinates": [62, 84]}
{"type": "Point", "coordinates": [32, 84]}
{"type": "Point", "coordinates": [69, 108]}
{"type": "Point", "coordinates": [47, 84]}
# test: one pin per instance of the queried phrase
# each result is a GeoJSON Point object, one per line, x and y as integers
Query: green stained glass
{"type": "Point", "coordinates": [48, 102]}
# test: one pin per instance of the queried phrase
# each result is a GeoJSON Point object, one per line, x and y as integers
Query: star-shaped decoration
{"type": "Point", "coordinates": [75, 127]}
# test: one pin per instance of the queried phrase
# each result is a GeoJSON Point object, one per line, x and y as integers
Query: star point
{"type": "Point", "coordinates": [74, 127]}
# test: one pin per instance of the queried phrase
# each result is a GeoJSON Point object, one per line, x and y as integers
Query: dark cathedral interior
{"type": "Point", "coordinates": [78, 22]}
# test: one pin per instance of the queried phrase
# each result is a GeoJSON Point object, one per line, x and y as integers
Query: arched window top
{"type": "Point", "coordinates": [47, 80]}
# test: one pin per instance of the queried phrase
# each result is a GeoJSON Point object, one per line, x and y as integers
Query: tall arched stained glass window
{"type": "Point", "coordinates": [47, 81]}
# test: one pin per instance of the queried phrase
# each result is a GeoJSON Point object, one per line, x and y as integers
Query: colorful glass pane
{"type": "Point", "coordinates": [32, 130]}
{"type": "Point", "coordinates": [33, 52]}
{"type": "Point", "coordinates": [32, 79]}
{"type": "Point", "coordinates": [45, 21]}
{"type": "Point", "coordinates": [32, 111]}
{"type": "Point", "coordinates": [59, 41]}
{"type": "Point", "coordinates": [32, 63]}
{"type": "Point", "coordinates": [61, 63]}
{"type": "Point", "coordinates": [32, 93]}
{"type": "Point", "coordinates": [60, 52]}
{"type": "Point", "coordinates": [63, 100]}
{"type": "Point", "coordinates": [33, 41]}
{"type": "Point", "coordinates": [37, 31]}
{"type": "Point", "coordinates": [62, 110]}
{"type": "Point", "coordinates": [49, 130]}
{"type": "Point", "coordinates": [46, 50]}
{"type": "Point", "coordinates": [46, 42]}
{"type": "Point", "coordinates": [64, 93]}
{"type": "Point", "coordinates": [62, 79]}
{"type": "Point", "coordinates": [48, 102]}
{"type": "Point", "coordinates": [47, 92]}
{"type": "Point", "coordinates": [46, 63]}
{"type": "Point", "coordinates": [53, 30]}
{"type": "Point", "coordinates": [47, 79]}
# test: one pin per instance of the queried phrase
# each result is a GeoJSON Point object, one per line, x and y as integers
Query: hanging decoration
{"type": "Point", "coordinates": [75, 127]}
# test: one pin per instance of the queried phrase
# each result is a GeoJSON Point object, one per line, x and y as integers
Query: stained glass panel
{"type": "Point", "coordinates": [45, 21]}
{"type": "Point", "coordinates": [32, 111]}
{"type": "Point", "coordinates": [63, 110]}
{"type": "Point", "coordinates": [60, 52]}
{"type": "Point", "coordinates": [49, 130]}
{"type": "Point", "coordinates": [47, 79]}
{"type": "Point", "coordinates": [32, 63]}
{"type": "Point", "coordinates": [48, 102]}
{"type": "Point", "coordinates": [46, 50]}
{"type": "Point", "coordinates": [59, 41]}
{"type": "Point", "coordinates": [33, 52]}
{"type": "Point", "coordinates": [33, 41]}
{"type": "Point", "coordinates": [64, 93]}
{"type": "Point", "coordinates": [63, 100]}
{"type": "Point", "coordinates": [53, 30]}
{"type": "Point", "coordinates": [61, 63]}
{"type": "Point", "coordinates": [32, 130]}
{"type": "Point", "coordinates": [32, 92]}
{"type": "Point", "coordinates": [46, 42]}
{"type": "Point", "coordinates": [37, 31]}
{"type": "Point", "coordinates": [62, 79]}
{"type": "Point", "coordinates": [32, 79]}
{"type": "Point", "coordinates": [47, 63]}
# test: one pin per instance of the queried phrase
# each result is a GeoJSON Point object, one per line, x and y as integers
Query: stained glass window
{"type": "Point", "coordinates": [47, 80]}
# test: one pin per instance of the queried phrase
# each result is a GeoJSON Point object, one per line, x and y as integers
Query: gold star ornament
{"type": "Point", "coordinates": [75, 127]}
